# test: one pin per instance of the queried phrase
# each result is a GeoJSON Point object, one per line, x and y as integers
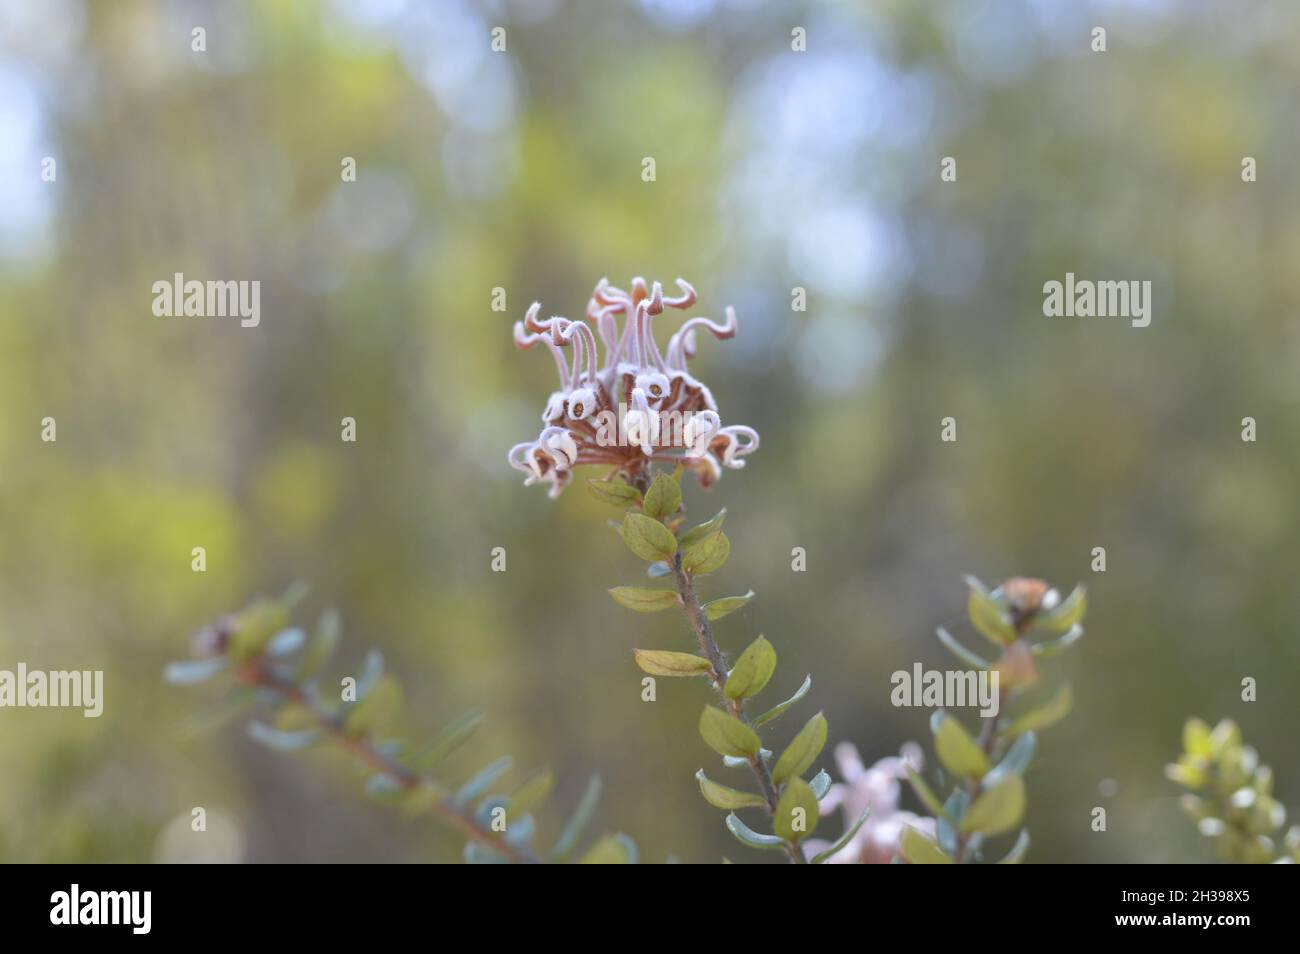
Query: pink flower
{"type": "Point", "coordinates": [877, 788]}
{"type": "Point", "coordinates": [634, 406]}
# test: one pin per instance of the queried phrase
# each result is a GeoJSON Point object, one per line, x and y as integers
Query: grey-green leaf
{"type": "Point", "coordinates": [647, 538]}
{"type": "Point", "coordinates": [752, 670]}
{"type": "Point", "coordinates": [844, 839]}
{"type": "Point", "coordinates": [747, 836]}
{"type": "Point", "coordinates": [802, 750]}
{"type": "Point", "coordinates": [663, 498]}
{"type": "Point", "coordinates": [578, 821]}
{"type": "Point", "coordinates": [708, 555]}
{"type": "Point", "coordinates": [797, 811]}
{"type": "Point", "coordinates": [481, 782]}
{"type": "Point", "coordinates": [190, 671]}
{"type": "Point", "coordinates": [717, 609]}
{"type": "Point", "coordinates": [614, 492]}
{"type": "Point", "coordinates": [644, 600]}
{"type": "Point", "coordinates": [776, 710]}
{"type": "Point", "coordinates": [720, 796]}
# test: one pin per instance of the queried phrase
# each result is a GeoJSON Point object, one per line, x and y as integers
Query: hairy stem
{"type": "Point", "coordinates": [364, 750]}
{"type": "Point", "coordinates": [699, 621]}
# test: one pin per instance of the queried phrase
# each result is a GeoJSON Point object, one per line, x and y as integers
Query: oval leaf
{"type": "Point", "coordinates": [649, 539]}
{"type": "Point", "coordinates": [614, 492]}
{"type": "Point", "coordinates": [748, 836]}
{"type": "Point", "coordinates": [802, 751]}
{"type": "Point", "coordinates": [920, 850]}
{"type": "Point", "coordinates": [1049, 713]}
{"type": "Point", "coordinates": [988, 615]}
{"type": "Point", "coordinates": [663, 498]}
{"type": "Point", "coordinates": [796, 812]}
{"type": "Point", "coordinates": [727, 735]}
{"type": "Point", "coordinates": [720, 796]}
{"type": "Point", "coordinates": [707, 529]}
{"type": "Point", "coordinates": [752, 670]}
{"type": "Point", "coordinates": [958, 752]}
{"type": "Point", "coordinates": [644, 600]}
{"type": "Point", "coordinates": [708, 555]}
{"type": "Point", "coordinates": [663, 662]}
{"type": "Point", "coordinates": [998, 809]}
{"type": "Point", "coordinates": [1066, 615]}
{"type": "Point", "coordinates": [726, 606]}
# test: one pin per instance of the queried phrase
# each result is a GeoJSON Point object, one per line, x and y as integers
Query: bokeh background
{"type": "Point", "coordinates": [521, 170]}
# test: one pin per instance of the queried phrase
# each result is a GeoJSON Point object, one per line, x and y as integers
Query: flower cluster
{"type": "Point", "coordinates": [638, 405]}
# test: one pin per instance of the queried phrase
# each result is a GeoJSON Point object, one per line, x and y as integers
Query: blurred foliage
{"type": "Point", "coordinates": [521, 170]}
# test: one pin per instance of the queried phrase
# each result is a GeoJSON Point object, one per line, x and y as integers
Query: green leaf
{"type": "Point", "coordinates": [924, 792]}
{"type": "Point", "coordinates": [371, 669]}
{"type": "Point", "coordinates": [481, 782]}
{"type": "Point", "coordinates": [796, 812]}
{"type": "Point", "coordinates": [717, 609]}
{"type": "Point", "coordinates": [731, 761]}
{"type": "Point", "coordinates": [446, 741]}
{"type": "Point", "coordinates": [649, 539]}
{"type": "Point", "coordinates": [1067, 614]}
{"type": "Point", "coordinates": [998, 808]}
{"type": "Point", "coordinates": [611, 850]}
{"type": "Point", "coordinates": [720, 796]}
{"type": "Point", "coordinates": [727, 735]}
{"type": "Point", "coordinates": [747, 836]}
{"type": "Point", "coordinates": [614, 492]}
{"type": "Point", "coordinates": [959, 753]}
{"type": "Point", "coordinates": [255, 625]}
{"type": "Point", "coordinates": [708, 555]}
{"type": "Point", "coordinates": [1196, 738]}
{"type": "Point", "coordinates": [1018, 851]}
{"type": "Point", "coordinates": [645, 600]}
{"type": "Point", "coordinates": [960, 651]}
{"type": "Point", "coordinates": [920, 850]}
{"type": "Point", "coordinates": [578, 821]}
{"type": "Point", "coordinates": [988, 615]}
{"type": "Point", "coordinates": [707, 529]}
{"type": "Point", "coordinates": [1049, 713]}
{"type": "Point", "coordinates": [1015, 761]}
{"type": "Point", "coordinates": [844, 839]}
{"type": "Point", "coordinates": [376, 710]}
{"type": "Point", "coordinates": [530, 792]}
{"type": "Point", "coordinates": [282, 740]}
{"type": "Point", "coordinates": [776, 710]}
{"type": "Point", "coordinates": [190, 671]}
{"type": "Point", "coordinates": [802, 751]}
{"type": "Point", "coordinates": [663, 662]}
{"type": "Point", "coordinates": [752, 670]}
{"type": "Point", "coordinates": [1055, 647]}
{"type": "Point", "coordinates": [324, 640]}
{"type": "Point", "coordinates": [663, 498]}
{"type": "Point", "coordinates": [657, 569]}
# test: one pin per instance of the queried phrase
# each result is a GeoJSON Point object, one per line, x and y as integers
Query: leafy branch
{"type": "Point", "coordinates": [275, 669]}
{"type": "Point", "coordinates": [988, 797]}
{"type": "Point", "coordinates": [653, 528]}
{"type": "Point", "coordinates": [1230, 796]}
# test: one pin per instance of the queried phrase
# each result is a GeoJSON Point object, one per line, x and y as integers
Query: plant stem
{"type": "Point", "coordinates": [699, 621]}
{"type": "Point", "coordinates": [361, 747]}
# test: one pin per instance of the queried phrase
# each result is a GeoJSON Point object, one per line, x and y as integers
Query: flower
{"type": "Point", "coordinates": [877, 788]}
{"type": "Point", "coordinates": [635, 406]}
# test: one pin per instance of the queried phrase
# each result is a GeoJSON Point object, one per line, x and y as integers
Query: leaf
{"type": "Point", "coordinates": [954, 810]}
{"type": "Point", "coordinates": [820, 784]}
{"type": "Point", "coordinates": [1015, 761]}
{"type": "Point", "coordinates": [657, 569]}
{"type": "Point", "coordinates": [284, 741]}
{"type": "Point", "coordinates": [645, 600]}
{"type": "Point", "coordinates": [988, 615]}
{"type": "Point", "coordinates": [285, 642]}
{"type": "Point", "coordinates": [998, 808]}
{"type": "Point", "coordinates": [663, 498]}
{"type": "Point", "coordinates": [776, 710]}
{"type": "Point", "coordinates": [324, 640]}
{"type": "Point", "coordinates": [383, 786]}
{"type": "Point", "coordinates": [530, 792]}
{"type": "Point", "coordinates": [255, 625]}
{"type": "Point", "coordinates": [611, 850]}
{"type": "Point", "coordinates": [717, 609]}
{"type": "Point", "coordinates": [663, 662]}
{"type": "Point", "coordinates": [710, 527]}
{"type": "Point", "coordinates": [1049, 713]}
{"type": "Point", "coordinates": [447, 741]}
{"type": "Point", "coordinates": [708, 555]}
{"type": "Point", "coordinates": [577, 823]}
{"type": "Point", "coordinates": [1196, 738]}
{"type": "Point", "coordinates": [481, 782]}
{"type": "Point", "coordinates": [1018, 851]}
{"type": "Point", "coordinates": [802, 750]}
{"type": "Point", "coordinates": [844, 839]}
{"type": "Point", "coordinates": [752, 670]}
{"type": "Point", "coordinates": [371, 670]}
{"type": "Point", "coordinates": [191, 671]}
{"type": "Point", "coordinates": [920, 850]}
{"type": "Point", "coordinates": [1055, 647]}
{"type": "Point", "coordinates": [960, 651]}
{"type": "Point", "coordinates": [797, 812]}
{"type": "Point", "coordinates": [746, 835]}
{"type": "Point", "coordinates": [376, 710]}
{"type": "Point", "coordinates": [924, 792]}
{"type": "Point", "coordinates": [649, 539]}
{"type": "Point", "coordinates": [731, 761]}
{"type": "Point", "coordinates": [726, 734]}
{"type": "Point", "coordinates": [1067, 614]}
{"type": "Point", "coordinates": [720, 796]}
{"type": "Point", "coordinates": [614, 492]}
{"type": "Point", "coordinates": [958, 752]}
